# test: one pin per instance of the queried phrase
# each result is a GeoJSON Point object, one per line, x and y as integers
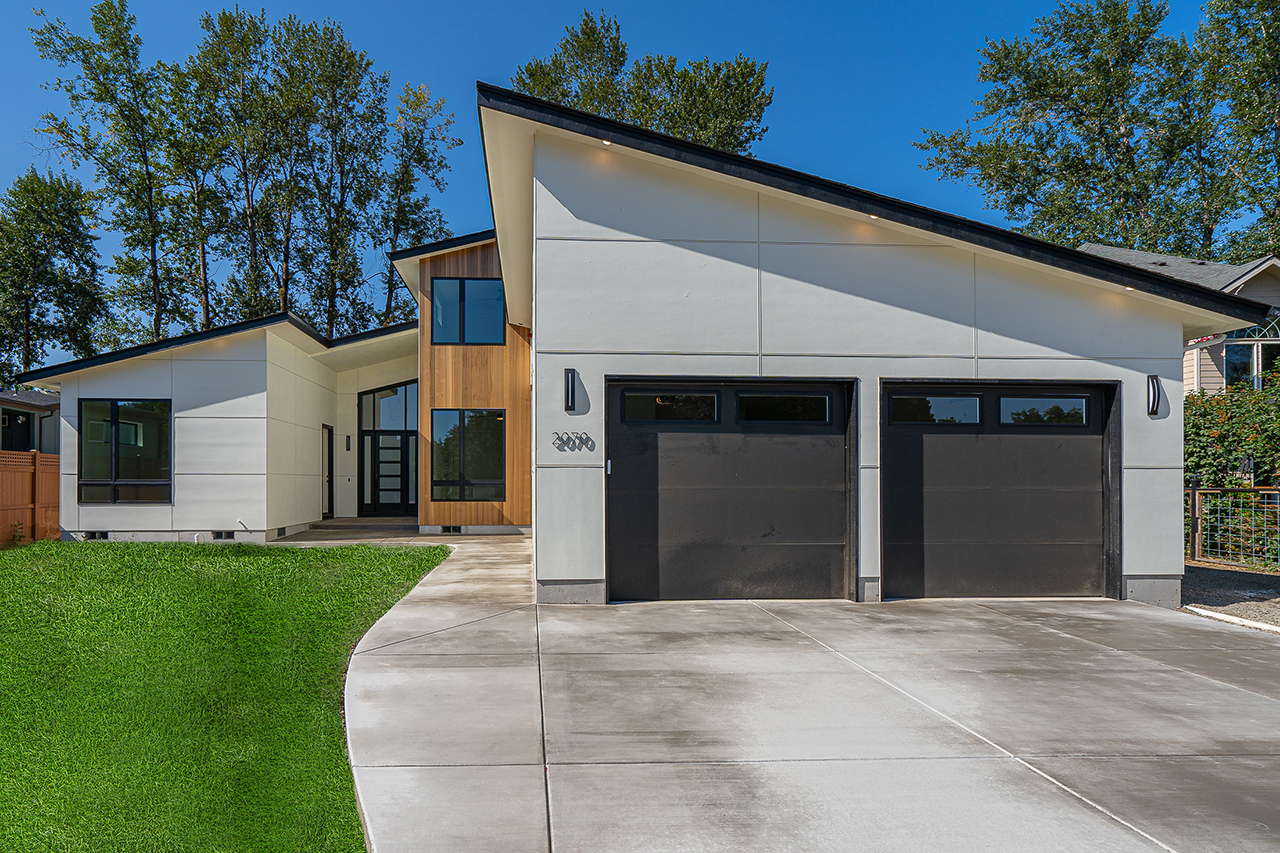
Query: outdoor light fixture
{"type": "Point", "coordinates": [1153, 395]}
{"type": "Point", "coordinates": [606, 142]}
{"type": "Point", "coordinates": [1128, 288]}
{"type": "Point", "coordinates": [873, 216]}
{"type": "Point", "coordinates": [570, 389]}
{"type": "Point", "coordinates": [348, 444]}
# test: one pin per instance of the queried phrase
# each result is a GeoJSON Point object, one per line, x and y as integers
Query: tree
{"type": "Point", "coordinates": [720, 104]}
{"type": "Point", "coordinates": [50, 287]}
{"type": "Point", "coordinates": [1098, 128]}
{"type": "Point", "coordinates": [119, 121]}
{"type": "Point", "coordinates": [419, 139]}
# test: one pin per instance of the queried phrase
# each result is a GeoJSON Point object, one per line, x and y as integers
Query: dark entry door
{"type": "Point", "coordinates": [992, 490]}
{"type": "Point", "coordinates": [389, 450]}
{"type": "Point", "coordinates": [326, 463]}
{"type": "Point", "coordinates": [724, 490]}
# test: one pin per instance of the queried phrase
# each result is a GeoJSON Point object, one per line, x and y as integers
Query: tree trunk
{"type": "Point", "coordinates": [204, 288]}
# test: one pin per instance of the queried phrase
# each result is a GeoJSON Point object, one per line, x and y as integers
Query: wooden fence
{"type": "Point", "coordinates": [28, 495]}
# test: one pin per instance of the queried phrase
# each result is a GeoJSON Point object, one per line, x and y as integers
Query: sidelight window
{"type": "Point", "coordinates": [468, 455]}
{"type": "Point", "coordinates": [125, 448]}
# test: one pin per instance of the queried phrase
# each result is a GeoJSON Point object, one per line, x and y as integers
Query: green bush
{"type": "Point", "coordinates": [1223, 428]}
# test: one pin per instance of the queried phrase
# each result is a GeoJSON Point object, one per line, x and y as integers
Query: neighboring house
{"type": "Point", "coordinates": [29, 420]}
{"type": "Point", "coordinates": [696, 375]}
{"type": "Point", "coordinates": [1242, 355]}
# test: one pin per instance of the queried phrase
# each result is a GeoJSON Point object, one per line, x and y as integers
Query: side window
{"type": "Point", "coordinates": [468, 454]}
{"type": "Point", "coordinates": [125, 449]}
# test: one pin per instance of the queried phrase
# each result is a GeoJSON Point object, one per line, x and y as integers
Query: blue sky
{"type": "Point", "coordinates": [854, 82]}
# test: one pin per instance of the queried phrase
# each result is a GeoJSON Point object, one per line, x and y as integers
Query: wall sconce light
{"type": "Point", "coordinates": [348, 444]}
{"type": "Point", "coordinates": [570, 389]}
{"type": "Point", "coordinates": [1153, 395]}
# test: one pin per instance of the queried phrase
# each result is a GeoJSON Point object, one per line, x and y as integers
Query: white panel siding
{"type": "Point", "coordinates": [219, 502]}
{"type": "Point", "coordinates": [137, 378]}
{"type": "Point", "coordinates": [302, 396]}
{"type": "Point", "coordinates": [569, 542]}
{"type": "Point", "coordinates": [785, 221]}
{"type": "Point", "coordinates": [219, 446]}
{"type": "Point", "coordinates": [220, 389]}
{"type": "Point", "coordinates": [1152, 501]}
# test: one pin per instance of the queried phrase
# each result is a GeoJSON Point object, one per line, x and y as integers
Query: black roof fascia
{"type": "Point", "coordinates": [863, 201]}
{"type": "Point", "coordinates": [406, 326]}
{"type": "Point", "coordinates": [444, 245]}
{"type": "Point", "coordinates": [172, 343]}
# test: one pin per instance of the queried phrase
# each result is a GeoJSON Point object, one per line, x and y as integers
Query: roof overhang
{"type": "Point", "coordinates": [1268, 267]}
{"type": "Point", "coordinates": [509, 122]}
{"type": "Point", "coordinates": [407, 261]}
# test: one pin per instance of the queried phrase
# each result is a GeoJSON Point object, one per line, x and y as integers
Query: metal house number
{"type": "Point", "coordinates": [569, 442]}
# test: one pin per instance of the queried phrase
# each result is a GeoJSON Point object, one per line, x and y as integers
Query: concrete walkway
{"type": "Point", "coordinates": [480, 722]}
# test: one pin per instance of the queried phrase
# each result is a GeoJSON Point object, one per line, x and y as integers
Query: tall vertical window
{"type": "Point", "coordinates": [468, 459]}
{"type": "Point", "coordinates": [125, 451]}
{"type": "Point", "coordinates": [467, 311]}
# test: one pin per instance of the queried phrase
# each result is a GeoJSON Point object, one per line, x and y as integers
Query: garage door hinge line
{"type": "Point", "coordinates": [1081, 797]}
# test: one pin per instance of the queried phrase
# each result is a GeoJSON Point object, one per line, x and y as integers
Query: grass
{"type": "Point", "coordinates": [158, 697]}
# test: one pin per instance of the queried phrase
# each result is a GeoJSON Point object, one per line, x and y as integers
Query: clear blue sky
{"type": "Point", "coordinates": [854, 81]}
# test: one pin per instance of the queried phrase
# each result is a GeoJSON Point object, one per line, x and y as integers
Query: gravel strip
{"type": "Point", "coordinates": [1244, 593]}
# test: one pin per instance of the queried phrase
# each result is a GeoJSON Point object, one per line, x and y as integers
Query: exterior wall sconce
{"type": "Point", "coordinates": [1153, 395]}
{"type": "Point", "coordinates": [570, 389]}
{"type": "Point", "coordinates": [348, 444]}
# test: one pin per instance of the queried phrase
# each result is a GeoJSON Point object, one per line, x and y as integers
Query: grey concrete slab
{"type": "Point", "coordinates": [1255, 670]}
{"type": "Point", "coordinates": [1101, 703]}
{"type": "Point", "coordinates": [953, 805]}
{"type": "Point", "coordinates": [926, 624]}
{"type": "Point", "coordinates": [730, 707]}
{"type": "Point", "coordinates": [456, 809]}
{"type": "Point", "coordinates": [1131, 625]}
{"type": "Point", "coordinates": [444, 709]}
{"type": "Point", "coordinates": [444, 628]}
{"type": "Point", "coordinates": [1223, 804]}
{"type": "Point", "coordinates": [665, 627]}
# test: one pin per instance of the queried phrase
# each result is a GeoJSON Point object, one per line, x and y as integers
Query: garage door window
{"type": "Point", "coordinates": [779, 408]}
{"type": "Point", "coordinates": [669, 407]}
{"type": "Point", "coordinates": [935, 410]}
{"type": "Point", "coordinates": [1030, 411]}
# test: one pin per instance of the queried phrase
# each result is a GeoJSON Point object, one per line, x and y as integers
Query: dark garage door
{"type": "Point", "coordinates": [992, 490]}
{"type": "Point", "coordinates": [726, 491]}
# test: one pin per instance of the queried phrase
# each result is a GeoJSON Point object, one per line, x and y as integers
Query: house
{"type": "Point", "coordinates": [695, 375]}
{"type": "Point", "coordinates": [1215, 361]}
{"type": "Point", "coordinates": [29, 420]}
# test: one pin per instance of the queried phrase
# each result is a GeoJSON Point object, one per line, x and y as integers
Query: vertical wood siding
{"type": "Point", "coordinates": [28, 495]}
{"type": "Point", "coordinates": [475, 377]}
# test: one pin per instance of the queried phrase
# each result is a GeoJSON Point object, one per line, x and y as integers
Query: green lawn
{"type": "Point", "coordinates": [183, 697]}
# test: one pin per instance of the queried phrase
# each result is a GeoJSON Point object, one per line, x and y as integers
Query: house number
{"type": "Point", "coordinates": [568, 442]}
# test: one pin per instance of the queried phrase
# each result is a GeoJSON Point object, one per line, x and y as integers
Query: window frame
{"type": "Point", "coordinates": [115, 482]}
{"type": "Point", "coordinates": [462, 482]}
{"type": "Point", "coordinates": [979, 396]}
{"type": "Point", "coordinates": [1083, 398]}
{"type": "Point", "coordinates": [687, 422]}
{"type": "Point", "coordinates": [462, 311]}
{"type": "Point", "coordinates": [751, 422]}
{"type": "Point", "coordinates": [1255, 346]}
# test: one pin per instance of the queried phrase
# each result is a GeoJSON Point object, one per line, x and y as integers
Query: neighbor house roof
{"type": "Point", "coordinates": [284, 318]}
{"type": "Point", "coordinates": [1209, 274]}
{"type": "Point", "coordinates": [29, 398]}
{"type": "Point", "coordinates": [513, 172]}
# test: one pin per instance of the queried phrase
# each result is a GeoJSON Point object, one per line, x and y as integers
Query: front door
{"type": "Point", "coordinates": [389, 450]}
{"type": "Point", "coordinates": [326, 465]}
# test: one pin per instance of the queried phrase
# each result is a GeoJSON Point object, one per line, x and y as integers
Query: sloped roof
{"type": "Point", "coordinates": [1209, 274]}
{"type": "Point", "coordinates": [945, 225]}
{"type": "Point", "coordinates": [30, 398]}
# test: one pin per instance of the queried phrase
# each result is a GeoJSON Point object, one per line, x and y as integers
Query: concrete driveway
{"type": "Point", "coordinates": [478, 721]}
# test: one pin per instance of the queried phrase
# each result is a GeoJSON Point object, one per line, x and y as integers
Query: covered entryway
{"type": "Point", "coordinates": [994, 490]}
{"type": "Point", "coordinates": [389, 450]}
{"type": "Point", "coordinates": [727, 490]}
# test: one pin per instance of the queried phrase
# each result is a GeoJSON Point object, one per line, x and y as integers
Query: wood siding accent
{"type": "Point", "coordinates": [475, 377]}
{"type": "Point", "coordinates": [28, 495]}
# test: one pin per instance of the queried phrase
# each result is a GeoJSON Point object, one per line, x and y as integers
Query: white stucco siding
{"type": "Point", "coordinates": [646, 269]}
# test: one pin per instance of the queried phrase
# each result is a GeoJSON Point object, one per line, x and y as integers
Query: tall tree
{"type": "Point", "coordinates": [344, 171]}
{"type": "Point", "coordinates": [1244, 38]}
{"type": "Point", "coordinates": [118, 121]}
{"type": "Point", "coordinates": [720, 104]}
{"type": "Point", "coordinates": [1080, 135]}
{"type": "Point", "coordinates": [50, 287]}
{"type": "Point", "coordinates": [419, 139]}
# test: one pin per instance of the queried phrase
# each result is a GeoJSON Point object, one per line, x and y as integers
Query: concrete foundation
{"type": "Point", "coordinates": [571, 592]}
{"type": "Point", "coordinates": [1160, 590]}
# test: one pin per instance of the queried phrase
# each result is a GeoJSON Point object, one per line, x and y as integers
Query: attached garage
{"type": "Point", "coordinates": [723, 490]}
{"type": "Point", "coordinates": [997, 490]}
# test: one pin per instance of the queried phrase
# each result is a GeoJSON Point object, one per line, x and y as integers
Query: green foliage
{"type": "Point", "coordinates": [720, 104]}
{"type": "Point", "coordinates": [184, 697]}
{"type": "Point", "coordinates": [50, 286]}
{"type": "Point", "coordinates": [1222, 429]}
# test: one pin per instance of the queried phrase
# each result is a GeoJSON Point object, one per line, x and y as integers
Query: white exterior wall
{"type": "Point", "coordinates": [301, 397]}
{"type": "Point", "coordinates": [648, 269]}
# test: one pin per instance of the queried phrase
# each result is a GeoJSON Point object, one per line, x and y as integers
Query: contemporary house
{"type": "Point", "coordinates": [1212, 362]}
{"type": "Point", "coordinates": [28, 420]}
{"type": "Point", "coordinates": [695, 375]}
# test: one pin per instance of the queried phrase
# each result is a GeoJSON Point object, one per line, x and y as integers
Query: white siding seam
{"type": "Point", "coordinates": [759, 296]}
{"type": "Point", "coordinates": [569, 465]}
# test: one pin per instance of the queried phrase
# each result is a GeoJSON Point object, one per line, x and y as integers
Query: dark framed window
{"type": "Point", "coordinates": [125, 451]}
{"type": "Point", "coordinates": [468, 455]}
{"type": "Point", "coordinates": [641, 406]}
{"type": "Point", "coordinates": [1032, 411]}
{"type": "Point", "coordinates": [467, 311]}
{"type": "Point", "coordinates": [789, 408]}
{"type": "Point", "coordinates": [1251, 362]}
{"type": "Point", "coordinates": [935, 409]}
